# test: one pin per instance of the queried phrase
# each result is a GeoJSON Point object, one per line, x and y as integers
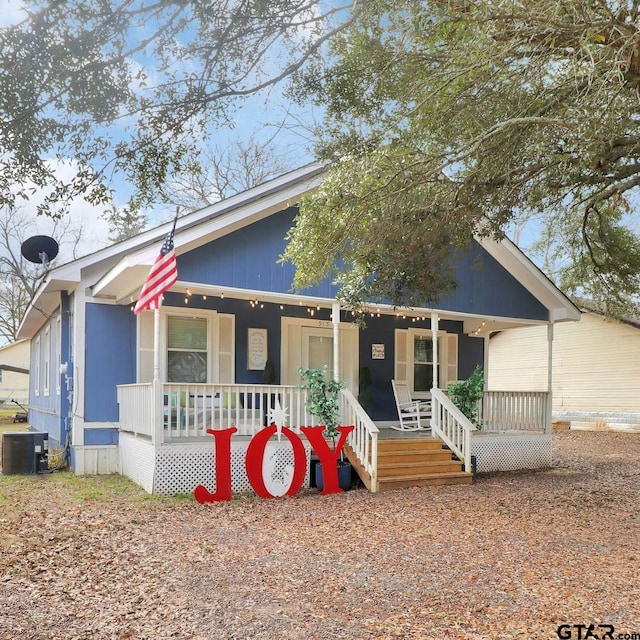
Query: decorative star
{"type": "Point", "coordinates": [278, 416]}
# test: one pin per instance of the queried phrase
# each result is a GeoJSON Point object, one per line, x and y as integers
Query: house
{"type": "Point", "coordinates": [138, 394]}
{"type": "Point", "coordinates": [596, 369]}
{"type": "Point", "coordinates": [14, 372]}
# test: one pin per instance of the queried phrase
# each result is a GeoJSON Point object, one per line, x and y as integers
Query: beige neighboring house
{"type": "Point", "coordinates": [14, 382]}
{"type": "Point", "coordinates": [595, 370]}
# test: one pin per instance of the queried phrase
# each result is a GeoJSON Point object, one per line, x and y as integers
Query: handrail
{"type": "Point", "coordinates": [452, 427]}
{"type": "Point", "coordinates": [363, 440]}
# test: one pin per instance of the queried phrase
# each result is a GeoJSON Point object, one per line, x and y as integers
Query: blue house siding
{"type": "Point", "coordinates": [485, 287]}
{"type": "Point", "coordinates": [44, 408]}
{"type": "Point", "coordinates": [247, 259]}
{"type": "Point", "coordinates": [110, 358]}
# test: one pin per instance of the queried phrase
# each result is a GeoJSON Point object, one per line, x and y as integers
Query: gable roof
{"type": "Point", "coordinates": [117, 272]}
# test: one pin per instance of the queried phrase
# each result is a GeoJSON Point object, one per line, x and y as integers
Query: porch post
{"type": "Point", "coordinates": [156, 387]}
{"type": "Point", "coordinates": [548, 417]}
{"type": "Point", "coordinates": [335, 318]}
{"type": "Point", "coordinates": [434, 338]}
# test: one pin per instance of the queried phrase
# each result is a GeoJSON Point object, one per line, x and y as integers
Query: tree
{"type": "Point", "coordinates": [447, 118]}
{"type": "Point", "coordinates": [19, 279]}
{"type": "Point", "coordinates": [224, 171]}
{"type": "Point", "coordinates": [130, 89]}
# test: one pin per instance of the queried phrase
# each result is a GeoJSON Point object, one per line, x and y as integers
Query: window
{"type": "Point", "coordinates": [423, 362]}
{"type": "Point", "coordinates": [187, 352]}
{"type": "Point", "coordinates": [46, 369]}
{"type": "Point", "coordinates": [414, 359]}
{"type": "Point", "coordinates": [0, 376]}
{"type": "Point", "coordinates": [36, 373]}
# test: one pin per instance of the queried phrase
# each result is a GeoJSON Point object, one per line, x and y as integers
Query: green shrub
{"type": "Point", "coordinates": [466, 395]}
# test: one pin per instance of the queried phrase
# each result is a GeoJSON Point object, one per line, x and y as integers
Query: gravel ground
{"type": "Point", "coordinates": [512, 556]}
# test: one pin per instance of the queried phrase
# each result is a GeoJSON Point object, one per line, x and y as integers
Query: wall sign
{"type": "Point", "coordinates": [256, 349]}
{"type": "Point", "coordinates": [377, 351]}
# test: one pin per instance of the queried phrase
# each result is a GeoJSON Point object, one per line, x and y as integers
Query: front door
{"type": "Point", "coordinates": [309, 343]}
{"type": "Point", "coordinates": [317, 349]}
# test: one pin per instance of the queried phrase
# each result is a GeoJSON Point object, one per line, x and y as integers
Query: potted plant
{"type": "Point", "coordinates": [323, 403]}
{"type": "Point", "coordinates": [466, 395]}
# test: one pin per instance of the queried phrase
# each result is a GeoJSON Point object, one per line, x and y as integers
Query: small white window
{"type": "Point", "coordinates": [36, 373]}
{"type": "Point", "coordinates": [46, 369]}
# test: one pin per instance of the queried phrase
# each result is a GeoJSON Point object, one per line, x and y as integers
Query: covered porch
{"type": "Point", "coordinates": [165, 446]}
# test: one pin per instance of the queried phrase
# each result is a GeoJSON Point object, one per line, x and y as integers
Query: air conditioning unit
{"type": "Point", "coordinates": [24, 452]}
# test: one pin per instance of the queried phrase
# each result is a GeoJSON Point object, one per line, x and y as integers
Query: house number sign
{"type": "Point", "coordinates": [255, 455]}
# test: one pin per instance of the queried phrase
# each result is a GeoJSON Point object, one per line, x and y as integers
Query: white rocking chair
{"type": "Point", "coordinates": [415, 415]}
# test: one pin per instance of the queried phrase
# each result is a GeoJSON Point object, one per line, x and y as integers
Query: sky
{"type": "Point", "coordinates": [259, 118]}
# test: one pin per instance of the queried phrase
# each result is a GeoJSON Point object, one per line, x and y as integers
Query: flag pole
{"type": "Point", "coordinates": [156, 322]}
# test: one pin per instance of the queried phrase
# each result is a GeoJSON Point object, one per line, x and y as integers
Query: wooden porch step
{"type": "Point", "coordinates": [414, 469]}
{"type": "Point", "coordinates": [413, 444]}
{"type": "Point", "coordinates": [413, 462]}
{"type": "Point", "coordinates": [422, 480]}
{"type": "Point", "coordinates": [418, 456]}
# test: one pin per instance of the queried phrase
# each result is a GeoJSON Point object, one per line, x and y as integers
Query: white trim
{"type": "Point", "coordinates": [46, 361]}
{"type": "Point", "coordinates": [36, 361]}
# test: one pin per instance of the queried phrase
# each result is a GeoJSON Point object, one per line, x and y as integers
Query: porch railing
{"type": "Point", "coordinates": [136, 408]}
{"type": "Point", "coordinates": [501, 411]}
{"type": "Point", "coordinates": [364, 438]}
{"type": "Point", "coordinates": [452, 427]}
{"type": "Point", "coordinates": [188, 410]}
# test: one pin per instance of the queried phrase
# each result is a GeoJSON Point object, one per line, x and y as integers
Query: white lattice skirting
{"type": "Point", "coordinates": [511, 452]}
{"type": "Point", "coordinates": [178, 468]}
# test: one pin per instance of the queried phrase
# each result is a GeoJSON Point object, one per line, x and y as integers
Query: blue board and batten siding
{"type": "Point", "coordinates": [248, 259]}
{"type": "Point", "coordinates": [49, 399]}
{"type": "Point", "coordinates": [110, 360]}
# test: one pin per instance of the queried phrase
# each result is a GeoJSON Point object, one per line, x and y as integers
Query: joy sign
{"type": "Point", "coordinates": [255, 456]}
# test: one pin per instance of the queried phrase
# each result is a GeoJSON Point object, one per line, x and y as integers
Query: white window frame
{"type": "Point", "coordinates": [46, 358]}
{"type": "Point", "coordinates": [406, 359]}
{"type": "Point", "coordinates": [214, 349]}
{"type": "Point", "coordinates": [36, 361]}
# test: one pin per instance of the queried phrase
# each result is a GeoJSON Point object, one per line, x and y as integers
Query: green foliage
{"type": "Point", "coordinates": [451, 118]}
{"type": "Point", "coordinates": [323, 398]}
{"type": "Point", "coordinates": [129, 90]}
{"type": "Point", "coordinates": [466, 395]}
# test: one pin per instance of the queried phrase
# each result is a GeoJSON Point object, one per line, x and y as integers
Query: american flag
{"type": "Point", "coordinates": [162, 276]}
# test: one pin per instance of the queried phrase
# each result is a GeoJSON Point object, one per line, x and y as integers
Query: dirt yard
{"type": "Point", "coordinates": [511, 556]}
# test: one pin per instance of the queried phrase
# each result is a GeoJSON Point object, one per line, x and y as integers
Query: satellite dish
{"type": "Point", "coordinates": [39, 249]}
